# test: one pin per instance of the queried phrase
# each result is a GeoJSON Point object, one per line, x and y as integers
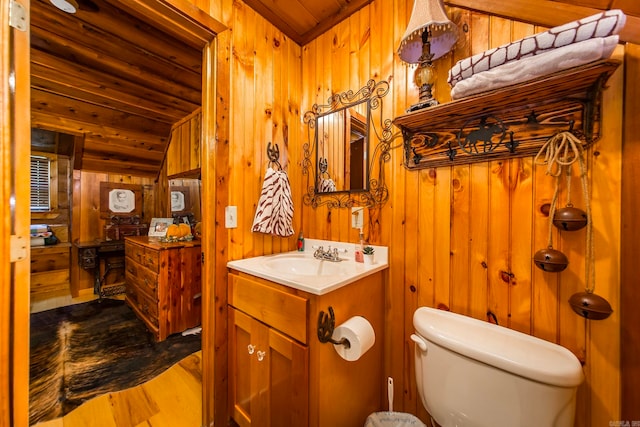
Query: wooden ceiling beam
{"type": "Point", "coordinates": [99, 85]}
{"type": "Point", "coordinates": [138, 72]}
{"type": "Point", "coordinates": [180, 18]}
{"type": "Point", "coordinates": [131, 156]}
{"type": "Point", "coordinates": [118, 167]}
{"type": "Point", "coordinates": [53, 122]}
{"type": "Point", "coordinates": [111, 23]}
{"type": "Point", "coordinates": [83, 112]}
{"type": "Point", "coordinates": [96, 47]}
{"type": "Point", "coordinates": [93, 98]}
{"type": "Point", "coordinates": [79, 91]}
{"type": "Point", "coordinates": [152, 149]}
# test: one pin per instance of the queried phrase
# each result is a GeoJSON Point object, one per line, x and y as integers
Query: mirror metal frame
{"type": "Point", "coordinates": [376, 193]}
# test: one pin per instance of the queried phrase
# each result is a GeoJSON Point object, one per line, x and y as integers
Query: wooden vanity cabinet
{"type": "Point", "coordinates": [281, 375]}
{"type": "Point", "coordinates": [270, 384]}
{"type": "Point", "coordinates": [163, 284]}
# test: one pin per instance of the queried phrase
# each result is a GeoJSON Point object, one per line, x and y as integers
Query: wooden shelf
{"type": "Point", "coordinates": [483, 127]}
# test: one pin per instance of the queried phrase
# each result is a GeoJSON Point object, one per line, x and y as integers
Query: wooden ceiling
{"type": "Point", "coordinates": [117, 83]}
{"type": "Point", "coordinates": [304, 20]}
{"type": "Point", "coordinates": [113, 81]}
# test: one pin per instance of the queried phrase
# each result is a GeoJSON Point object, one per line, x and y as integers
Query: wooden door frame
{"type": "Point", "coordinates": [630, 235]}
{"type": "Point", "coordinates": [15, 148]}
{"type": "Point", "coordinates": [14, 194]}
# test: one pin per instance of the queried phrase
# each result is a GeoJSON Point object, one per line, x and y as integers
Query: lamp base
{"type": "Point", "coordinates": [425, 104]}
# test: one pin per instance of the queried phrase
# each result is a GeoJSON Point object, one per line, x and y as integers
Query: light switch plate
{"type": "Point", "coordinates": [231, 217]}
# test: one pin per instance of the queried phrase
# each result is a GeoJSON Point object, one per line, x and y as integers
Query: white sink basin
{"type": "Point", "coordinates": [300, 270]}
{"type": "Point", "coordinates": [305, 266]}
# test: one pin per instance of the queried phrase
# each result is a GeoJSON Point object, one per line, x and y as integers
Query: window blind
{"type": "Point", "coordinates": [40, 184]}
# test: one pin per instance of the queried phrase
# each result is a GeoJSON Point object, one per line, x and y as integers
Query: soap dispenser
{"type": "Point", "coordinates": [359, 255]}
{"type": "Point", "coordinates": [300, 243]}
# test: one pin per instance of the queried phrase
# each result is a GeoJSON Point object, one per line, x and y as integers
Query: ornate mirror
{"type": "Point", "coordinates": [348, 145]}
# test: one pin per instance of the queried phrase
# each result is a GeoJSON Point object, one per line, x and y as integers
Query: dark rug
{"type": "Point", "coordinates": [82, 351]}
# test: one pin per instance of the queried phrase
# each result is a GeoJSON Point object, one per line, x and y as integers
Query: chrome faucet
{"type": "Point", "coordinates": [328, 255]}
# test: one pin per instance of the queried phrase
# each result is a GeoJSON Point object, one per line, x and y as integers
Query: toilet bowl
{"type": "Point", "coordinates": [472, 373]}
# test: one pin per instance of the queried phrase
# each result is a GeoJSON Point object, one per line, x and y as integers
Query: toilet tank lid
{"type": "Point", "coordinates": [501, 347]}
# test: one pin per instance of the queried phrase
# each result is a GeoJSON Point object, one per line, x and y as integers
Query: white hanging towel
{"type": "Point", "coordinates": [274, 214]}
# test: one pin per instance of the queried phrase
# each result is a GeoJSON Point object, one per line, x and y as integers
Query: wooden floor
{"type": "Point", "coordinates": [172, 399]}
{"type": "Point", "coordinates": [52, 300]}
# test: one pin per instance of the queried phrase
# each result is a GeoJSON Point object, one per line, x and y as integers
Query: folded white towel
{"type": "Point", "coordinates": [536, 66]}
{"type": "Point", "coordinates": [274, 214]}
{"type": "Point", "coordinates": [603, 24]}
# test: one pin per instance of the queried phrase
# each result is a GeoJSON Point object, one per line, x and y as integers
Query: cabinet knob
{"type": "Point", "coordinates": [251, 349]}
{"type": "Point", "coordinates": [261, 355]}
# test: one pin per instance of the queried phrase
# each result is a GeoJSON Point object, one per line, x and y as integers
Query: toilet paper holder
{"type": "Point", "coordinates": [326, 325]}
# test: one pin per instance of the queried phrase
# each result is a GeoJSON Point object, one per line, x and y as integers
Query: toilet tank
{"type": "Point", "coordinates": [472, 373]}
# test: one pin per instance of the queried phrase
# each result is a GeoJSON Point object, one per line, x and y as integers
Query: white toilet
{"type": "Point", "coordinates": [472, 373]}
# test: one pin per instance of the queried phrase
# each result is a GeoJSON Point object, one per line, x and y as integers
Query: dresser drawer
{"type": "Point", "coordinates": [281, 310]}
{"type": "Point", "coordinates": [143, 304]}
{"type": "Point", "coordinates": [135, 252]}
{"type": "Point", "coordinates": [144, 256]}
{"type": "Point", "coordinates": [142, 278]}
{"type": "Point", "coordinates": [151, 259]}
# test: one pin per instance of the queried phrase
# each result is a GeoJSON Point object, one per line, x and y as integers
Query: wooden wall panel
{"type": "Point", "coordinates": [630, 291]}
{"type": "Point", "coordinates": [452, 232]}
{"type": "Point", "coordinates": [265, 110]}
{"type": "Point", "coordinates": [464, 237]}
{"type": "Point", "coordinates": [183, 152]}
{"type": "Point", "coordinates": [87, 224]}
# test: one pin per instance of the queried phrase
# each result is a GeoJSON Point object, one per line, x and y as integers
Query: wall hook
{"type": "Point", "coordinates": [273, 153]}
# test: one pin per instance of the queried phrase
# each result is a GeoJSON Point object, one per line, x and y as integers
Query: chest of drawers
{"type": "Point", "coordinates": [163, 284]}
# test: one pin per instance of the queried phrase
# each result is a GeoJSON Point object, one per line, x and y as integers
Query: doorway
{"type": "Point", "coordinates": [168, 15]}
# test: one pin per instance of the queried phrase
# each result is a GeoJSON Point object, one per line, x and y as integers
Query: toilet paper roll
{"type": "Point", "coordinates": [360, 334]}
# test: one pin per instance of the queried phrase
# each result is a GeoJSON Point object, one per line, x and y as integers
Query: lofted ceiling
{"type": "Point", "coordinates": [116, 83]}
{"type": "Point", "coordinates": [111, 80]}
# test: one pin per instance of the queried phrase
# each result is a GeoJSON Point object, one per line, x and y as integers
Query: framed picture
{"type": "Point", "coordinates": [158, 227]}
{"type": "Point", "coordinates": [117, 199]}
{"type": "Point", "coordinates": [180, 202]}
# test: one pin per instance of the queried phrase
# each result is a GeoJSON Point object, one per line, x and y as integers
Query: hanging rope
{"type": "Point", "coordinates": [559, 153]}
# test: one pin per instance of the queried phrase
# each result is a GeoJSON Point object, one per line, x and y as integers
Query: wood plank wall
{"type": "Point", "coordinates": [442, 225]}
{"type": "Point", "coordinates": [87, 224]}
{"type": "Point", "coordinates": [464, 237]}
{"type": "Point", "coordinates": [183, 152]}
{"type": "Point", "coordinates": [264, 69]}
{"type": "Point", "coordinates": [452, 232]}
{"type": "Point", "coordinates": [50, 264]}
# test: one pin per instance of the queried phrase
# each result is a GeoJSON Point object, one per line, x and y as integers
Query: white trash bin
{"type": "Point", "coordinates": [390, 418]}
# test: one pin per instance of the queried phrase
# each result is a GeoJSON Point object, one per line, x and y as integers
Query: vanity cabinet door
{"type": "Point", "coordinates": [269, 375]}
